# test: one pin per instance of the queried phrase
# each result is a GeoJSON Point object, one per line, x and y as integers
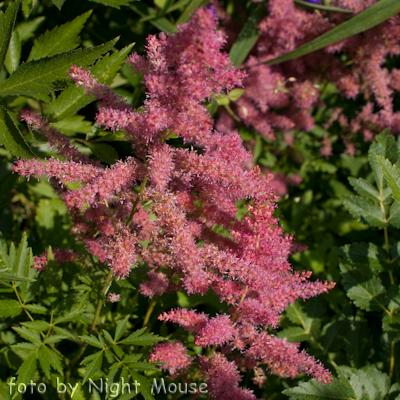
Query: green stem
{"type": "Point", "coordinates": [149, 311]}
{"type": "Point", "coordinates": [136, 202]}
{"type": "Point", "coordinates": [109, 280]}
{"type": "Point", "coordinates": [391, 370]}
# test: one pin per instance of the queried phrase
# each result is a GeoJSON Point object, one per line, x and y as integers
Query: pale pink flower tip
{"type": "Point", "coordinates": [113, 297]}
{"type": "Point", "coordinates": [173, 355]}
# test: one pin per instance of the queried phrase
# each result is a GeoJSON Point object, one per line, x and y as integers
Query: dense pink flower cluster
{"type": "Point", "coordinates": [283, 97]}
{"type": "Point", "coordinates": [174, 198]}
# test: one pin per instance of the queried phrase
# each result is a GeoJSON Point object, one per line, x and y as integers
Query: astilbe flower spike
{"type": "Point", "coordinates": [189, 191]}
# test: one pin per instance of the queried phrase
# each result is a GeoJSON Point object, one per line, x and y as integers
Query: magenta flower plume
{"type": "Point", "coordinates": [174, 198]}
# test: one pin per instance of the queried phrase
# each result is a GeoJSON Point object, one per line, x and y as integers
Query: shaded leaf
{"type": "Point", "coordinates": [364, 188]}
{"type": "Point", "coordinates": [365, 210]}
{"type": "Point", "coordinates": [50, 73]}
{"type": "Point", "coordinates": [248, 36]}
{"type": "Point", "coordinates": [103, 151]}
{"type": "Point", "coordinates": [13, 55]}
{"type": "Point", "coordinates": [139, 338]}
{"type": "Point", "coordinates": [60, 39]}
{"type": "Point", "coordinates": [7, 21]}
{"type": "Point", "coordinates": [10, 308]}
{"type": "Point", "coordinates": [11, 137]}
{"type": "Point", "coordinates": [121, 328]}
{"type": "Point", "coordinates": [392, 176]}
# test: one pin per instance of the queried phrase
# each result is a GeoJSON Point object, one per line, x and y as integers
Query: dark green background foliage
{"type": "Point", "coordinates": [346, 210]}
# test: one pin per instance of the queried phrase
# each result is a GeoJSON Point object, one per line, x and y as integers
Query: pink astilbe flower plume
{"type": "Point", "coordinates": [172, 198]}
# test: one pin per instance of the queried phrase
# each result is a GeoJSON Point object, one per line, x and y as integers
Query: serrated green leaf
{"type": "Point", "coordinates": [313, 390]}
{"type": "Point", "coordinates": [364, 188]}
{"type": "Point", "coordinates": [372, 16]}
{"type": "Point", "coordinates": [139, 338]}
{"type": "Point", "coordinates": [68, 316]}
{"type": "Point", "coordinates": [189, 10]}
{"type": "Point", "coordinates": [108, 336]}
{"type": "Point", "coordinates": [63, 332]}
{"type": "Point", "coordinates": [365, 253]}
{"type": "Point", "coordinates": [248, 36]}
{"type": "Point", "coordinates": [103, 151]}
{"type": "Point", "coordinates": [121, 328]}
{"type": "Point", "coordinates": [40, 326]}
{"type": "Point", "coordinates": [25, 346]}
{"type": "Point", "coordinates": [36, 308]}
{"type": "Point", "coordinates": [50, 73]}
{"type": "Point", "coordinates": [109, 355]}
{"type": "Point", "coordinates": [131, 358]}
{"type": "Point", "coordinates": [144, 386]}
{"type": "Point", "coordinates": [54, 339]}
{"type": "Point", "coordinates": [363, 290]}
{"type": "Point", "coordinates": [394, 216]}
{"type": "Point", "coordinates": [391, 323]}
{"type": "Point", "coordinates": [60, 39]}
{"type": "Point", "coordinates": [113, 3]}
{"type": "Point", "coordinates": [294, 334]}
{"type": "Point", "coordinates": [11, 137]}
{"type": "Point", "coordinates": [22, 264]}
{"type": "Point", "coordinates": [27, 29]}
{"type": "Point", "coordinates": [27, 7]}
{"type": "Point", "coordinates": [113, 372]}
{"type": "Point", "coordinates": [9, 276]}
{"type": "Point", "coordinates": [143, 366]}
{"type": "Point", "coordinates": [44, 360]}
{"type": "Point", "coordinates": [27, 370]}
{"type": "Point", "coordinates": [7, 21]}
{"type": "Point", "coordinates": [93, 341]}
{"type": "Point", "coordinates": [384, 146]}
{"type": "Point", "coordinates": [118, 351]}
{"type": "Point", "coordinates": [96, 361]}
{"type": "Point", "coordinates": [392, 176]}
{"type": "Point", "coordinates": [73, 98]}
{"type": "Point", "coordinates": [58, 3]}
{"type": "Point", "coordinates": [13, 55]}
{"type": "Point", "coordinates": [147, 12]}
{"type": "Point", "coordinates": [9, 308]}
{"type": "Point", "coordinates": [28, 334]}
{"type": "Point", "coordinates": [365, 210]}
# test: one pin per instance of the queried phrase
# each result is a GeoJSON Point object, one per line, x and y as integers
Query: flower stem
{"type": "Point", "coordinates": [136, 202]}
{"type": "Point", "coordinates": [109, 280]}
{"type": "Point", "coordinates": [149, 311]}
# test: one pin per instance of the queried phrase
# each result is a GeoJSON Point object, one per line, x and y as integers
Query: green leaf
{"type": "Point", "coordinates": [10, 308]}
{"type": "Point", "coordinates": [248, 36]}
{"type": "Point", "coordinates": [103, 151]}
{"type": "Point", "coordinates": [40, 326]}
{"type": "Point", "coordinates": [294, 334]}
{"type": "Point", "coordinates": [58, 3]}
{"type": "Point", "coordinates": [313, 390]}
{"type": "Point", "coordinates": [27, 370]}
{"type": "Point", "coordinates": [113, 3]}
{"type": "Point", "coordinates": [94, 365]}
{"type": "Point", "coordinates": [27, 29]}
{"type": "Point", "coordinates": [25, 346]}
{"type": "Point", "coordinates": [11, 137]}
{"type": "Point", "coordinates": [93, 341]}
{"type": "Point", "coordinates": [63, 332]}
{"type": "Point", "coordinates": [391, 323]}
{"type": "Point", "coordinates": [364, 188]}
{"type": "Point", "coordinates": [384, 146]}
{"type": "Point", "coordinates": [161, 24]}
{"type": "Point", "coordinates": [365, 253]}
{"type": "Point", "coordinates": [27, 7]}
{"type": "Point", "coordinates": [189, 11]}
{"type": "Point", "coordinates": [44, 360]}
{"type": "Point", "coordinates": [113, 372]}
{"type": "Point", "coordinates": [367, 19]}
{"type": "Point", "coordinates": [394, 216]}
{"type": "Point", "coordinates": [60, 39]}
{"type": "Point", "coordinates": [7, 21]}
{"type": "Point", "coordinates": [108, 336]}
{"type": "Point", "coordinates": [392, 176]}
{"type": "Point", "coordinates": [144, 366]}
{"type": "Point", "coordinates": [13, 55]}
{"type": "Point", "coordinates": [73, 98]}
{"type": "Point", "coordinates": [54, 339]}
{"type": "Point", "coordinates": [36, 308]}
{"type": "Point", "coordinates": [139, 338]}
{"type": "Point", "coordinates": [9, 276]}
{"type": "Point", "coordinates": [144, 386]}
{"type": "Point", "coordinates": [50, 73]}
{"type": "Point", "coordinates": [365, 210]}
{"type": "Point", "coordinates": [28, 334]}
{"type": "Point", "coordinates": [121, 328]}
{"type": "Point", "coordinates": [322, 7]}
{"type": "Point", "coordinates": [364, 290]}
